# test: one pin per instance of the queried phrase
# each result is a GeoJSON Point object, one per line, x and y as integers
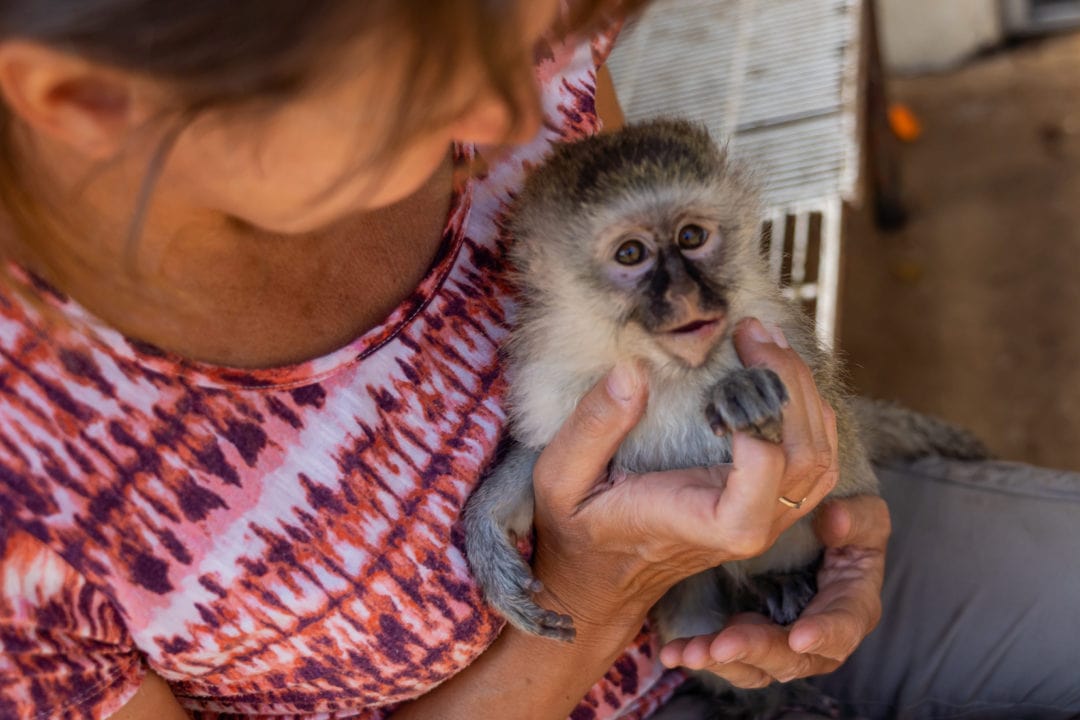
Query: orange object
{"type": "Point", "coordinates": [903, 122]}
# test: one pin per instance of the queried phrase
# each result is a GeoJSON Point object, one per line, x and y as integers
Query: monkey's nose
{"type": "Point", "coordinates": [684, 304]}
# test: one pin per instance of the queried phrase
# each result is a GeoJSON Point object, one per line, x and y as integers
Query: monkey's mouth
{"type": "Point", "coordinates": [692, 342]}
{"type": "Point", "coordinates": [694, 326]}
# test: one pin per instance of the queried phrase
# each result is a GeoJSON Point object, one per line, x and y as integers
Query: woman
{"type": "Point", "coordinates": [249, 321]}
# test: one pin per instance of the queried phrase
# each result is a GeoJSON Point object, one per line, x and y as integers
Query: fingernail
{"type": "Point", "coordinates": [623, 382]}
{"type": "Point", "coordinates": [757, 331]}
{"type": "Point", "coordinates": [778, 335]}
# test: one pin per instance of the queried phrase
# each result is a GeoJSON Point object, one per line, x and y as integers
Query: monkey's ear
{"type": "Point", "coordinates": [88, 107]}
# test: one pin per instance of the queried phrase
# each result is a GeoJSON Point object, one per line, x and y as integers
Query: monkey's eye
{"type": "Point", "coordinates": [691, 237]}
{"type": "Point", "coordinates": [630, 252]}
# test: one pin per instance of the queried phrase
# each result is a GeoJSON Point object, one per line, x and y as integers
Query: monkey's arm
{"type": "Point", "coordinates": [499, 511]}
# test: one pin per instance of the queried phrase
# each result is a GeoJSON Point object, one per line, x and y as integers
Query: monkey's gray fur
{"type": "Point", "coordinates": [590, 297]}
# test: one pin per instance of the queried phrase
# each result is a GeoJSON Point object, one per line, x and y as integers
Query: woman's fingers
{"type": "Point", "coordinates": [848, 603]}
{"type": "Point", "coordinates": [847, 606]}
{"type": "Point", "coordinates": [747, 515]}
{"type": "Point", "coordinates": [705, 515]}
{"type": "Point", "coordinates": [809, 439]}
{"type": "Point", "coordinates": [821, 484]}
{"type": "Point", "coordinates": [750, 639]}
{"type": "Point", "coordinates": [735, 509]}
{"type": "Point", "coordinates": [742, 675]}
{"type": "Point", "coordinates": [750, 653]}
{"type": "Point", "coordinates": [860, 520]}
{"type": "Point", "coordinates": [693, 653]}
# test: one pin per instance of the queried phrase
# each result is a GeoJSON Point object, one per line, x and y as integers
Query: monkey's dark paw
{"type": "Point", "coordinates": [508, 582]}
{"type": "Point", "coordinates": [748, 400]}
{"type": "Point", "coordinates": [521, 611]}
{"type": "Point", "coordinates": [784, 595]}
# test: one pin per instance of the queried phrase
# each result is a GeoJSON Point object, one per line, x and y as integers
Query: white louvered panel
{"type": "Point", "coordinates": [795, 163]}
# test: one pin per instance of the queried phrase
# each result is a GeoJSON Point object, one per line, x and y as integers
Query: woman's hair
{"type": "Point", "coordinates": [254, 53]}
{"type": "Point", "coordinates": [216, 53]}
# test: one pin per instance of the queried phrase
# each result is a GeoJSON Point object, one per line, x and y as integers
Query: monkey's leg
{"type": "Point", "coordinates": [697, 605]}
{"type": "Point", "coordinates": [780, 582]}
{"type": "Point", "coordinates": [499, 510]}
{"type": "Point", "coordinates": [748, 400]}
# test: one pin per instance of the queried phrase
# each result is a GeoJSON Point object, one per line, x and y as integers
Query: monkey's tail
{"type": "Point", "coordinates": [892, 433]}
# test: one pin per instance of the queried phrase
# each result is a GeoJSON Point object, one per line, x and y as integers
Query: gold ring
{"type": "Point", "coordinates": [791, 503]}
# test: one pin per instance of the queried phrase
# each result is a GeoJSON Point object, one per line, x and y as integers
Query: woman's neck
{"type": "Point", "coordinates": [223, 293]}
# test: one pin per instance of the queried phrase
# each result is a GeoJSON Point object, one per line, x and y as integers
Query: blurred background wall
{"type": "Point", "coordinates": [923, 35]}
{"type": "Point", "coordinates": [972, 309]}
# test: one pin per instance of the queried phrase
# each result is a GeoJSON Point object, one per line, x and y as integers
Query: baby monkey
{"type": "Point", "coordinates": [644, 244]}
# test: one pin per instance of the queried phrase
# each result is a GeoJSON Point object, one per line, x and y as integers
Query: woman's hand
{"type": "Point", "coordinates": [752, 651]}
{"type": "Point", "coordinates": [608, 548]}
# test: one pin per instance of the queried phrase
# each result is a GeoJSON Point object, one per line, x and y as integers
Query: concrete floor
{"type": "Point", "coordinates": [972, 311]}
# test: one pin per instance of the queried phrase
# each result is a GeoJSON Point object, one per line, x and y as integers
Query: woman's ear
{"type": "Point", "coordinates": [88, 107]}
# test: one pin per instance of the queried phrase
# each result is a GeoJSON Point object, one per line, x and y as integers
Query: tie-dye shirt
{"type": "Point", "coordinates": [276, 542]}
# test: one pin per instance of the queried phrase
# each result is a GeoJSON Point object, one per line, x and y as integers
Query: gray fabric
{"type": "Point", "coordinates": [982, 597]}
{"type": "Point", "coordinates": [981, 601]}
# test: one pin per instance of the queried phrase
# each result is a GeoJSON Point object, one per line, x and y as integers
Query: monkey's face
{"type": "Point", "coordinates": [638, 242]}
{"type": "Point", "coordinates": [666, 272]}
